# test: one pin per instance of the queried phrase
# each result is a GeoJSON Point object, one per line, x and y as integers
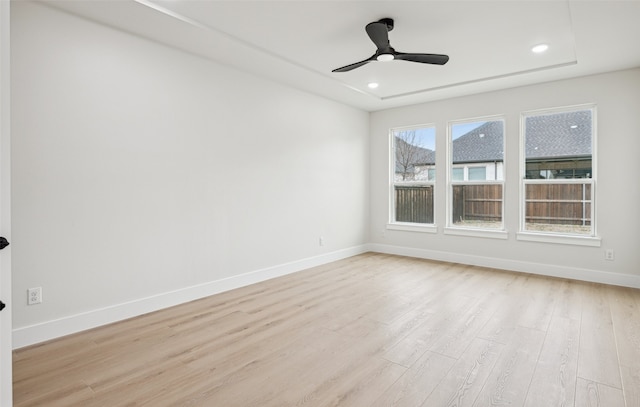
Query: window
{"type": "Point", "coordinates": [558, 172]}
{"type": "Point", "coordinates": [476, 181]}
{"type": "Point", "coordinates": [414, 172]}
{"type": "Point", "coordinates": [478, 173]}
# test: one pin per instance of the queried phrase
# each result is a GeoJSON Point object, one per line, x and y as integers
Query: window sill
{"type": "Point", "coordinates": [593, 241]}
{"type": "Point", "coordinates": [413, 227]}
{"type": "Point", "coordinates": [492, 234]}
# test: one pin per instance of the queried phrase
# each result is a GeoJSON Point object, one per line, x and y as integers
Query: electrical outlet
{"type": "Point", "coordinates": [321, 241]}
{"type": "Point", "coordinates": [34, 295]}
{"type": "Point", "coordinates": [608, 254]}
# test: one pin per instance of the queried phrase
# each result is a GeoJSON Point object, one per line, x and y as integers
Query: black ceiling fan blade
{"type": "Point", "coordinates": [435, 59]}
{"type": "Point", "coordinates": [355, 65]}
{"type": "Point", "coordinates": [379, 34]}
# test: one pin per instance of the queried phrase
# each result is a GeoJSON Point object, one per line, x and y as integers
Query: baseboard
{"type": "Point", "coordinates": [33, 334]}
{"type": "Point", "coordinates": [573, 273]}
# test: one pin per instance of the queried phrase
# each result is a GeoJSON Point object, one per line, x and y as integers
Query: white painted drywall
{"type": "Point", "coordinates": [617, 96]}
{"type": "Point", "coordinates": [139, 169]}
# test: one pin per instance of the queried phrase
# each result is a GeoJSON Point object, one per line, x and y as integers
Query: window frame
{"type": "Point", "coordinates": [392, 224]}
{"type": "Point", "coordinates": [450, 228]}
{"type": "Point", "coordinates": [549, 236]}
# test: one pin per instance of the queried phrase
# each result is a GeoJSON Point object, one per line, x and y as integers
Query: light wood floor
{"type": "Point", "coordinates": [371, 330]}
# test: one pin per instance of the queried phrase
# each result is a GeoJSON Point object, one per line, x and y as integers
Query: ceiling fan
{"type": "Point", "coordinates": [378, 31]}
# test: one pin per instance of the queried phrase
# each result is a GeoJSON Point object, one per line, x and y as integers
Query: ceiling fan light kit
{"type": "Point", "coordinates": [378, 32]}
{"type": "Point", "coordinates": [385, 57]}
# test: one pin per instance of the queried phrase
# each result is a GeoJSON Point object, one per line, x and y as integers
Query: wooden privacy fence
{"type": "Point", "coordinates": [477, 202]}
{"type": "Point", "coordinates": [560, 204]}
{"type": "Point", "coordinates": [567, 204]}
{"type": "Point", "coordinates": [414, 204]}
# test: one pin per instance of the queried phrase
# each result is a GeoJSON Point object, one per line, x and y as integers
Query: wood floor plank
{"type": "Point", "coordinates": [592, 394]}
{"type": "Point", "coordinates": [410, 348]}
{"type": "Point", "coordinates": [630, 374]}
{"type": "Point", "coordinates": [598, 359]}
{"type": "Point", "coordinates": [362, 385]}
{"type": "Point", "coordinates": [508, 382]}
{"type": "Point", "coordinates": [266, 373]}
{"type": "Point", "coordinates": [458, 333]}
{"type": "Point", "coordinates": [417, 383]}
{"type": "Point", "coordinates": [540, 298]}
{"type": "Point", "coordinates": [554, 379]}
{"type": "Point", "coordinates": [503, 324]}
{"type": "Point", "coordinates": [68, 395]}
{"type": "Point", "coordinates": [370, 330]}
{"type": "Point", "coordinates": [569, 304]}
{"type": "Point", "coordinates": [465, 379]}
{"type": "Point", "coordinates": [312, 374]}
{"type": "Point", "coordinates": [44, 372]}
{"type": "Point", "coordinates": [625, 314]}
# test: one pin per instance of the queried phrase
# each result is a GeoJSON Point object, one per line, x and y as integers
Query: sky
{"type": "Point", "coordinates": [460, 129]}
{"type": "Point", "coordinates": [427, 137]}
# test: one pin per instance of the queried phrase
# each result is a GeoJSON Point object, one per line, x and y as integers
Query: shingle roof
{"type": "Point", "coordinates": [482, 144]}
{"type": "Point", "coordinates": [559, 135]}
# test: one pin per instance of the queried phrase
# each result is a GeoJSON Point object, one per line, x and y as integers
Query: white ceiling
{"type": "Point", "coordinates": [299, 42]}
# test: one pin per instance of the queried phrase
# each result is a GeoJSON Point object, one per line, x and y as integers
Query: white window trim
{"type": "Point", "coordinates": [477, 232]}
{"type": "Point", "coordinates": [450, 228]}
{"type": "Point", "coordinates": [408, 226]}
{"type": "Point", "coordinates": [413, 227]}
{"type": "Point", "coordinates": [554, 237]}
{"type": "Point", "coordinates": [558, 238]}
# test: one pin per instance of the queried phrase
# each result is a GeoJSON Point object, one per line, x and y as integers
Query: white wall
{"type": "Point", "coordinates": [139, 170]}
{"type": "Point", "coordinates": [617, 96]}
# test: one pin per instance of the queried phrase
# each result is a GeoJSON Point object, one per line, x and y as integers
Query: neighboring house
{"type": "Point", "coordinates": [557, 149]}
{"type": "Point", "coordinates": [560, 148]}
{"type": "Point", "coordinates": [478, 155]}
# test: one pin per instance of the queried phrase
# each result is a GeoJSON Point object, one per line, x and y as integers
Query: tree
{"type": "Point", "coordinates": [409, 153]}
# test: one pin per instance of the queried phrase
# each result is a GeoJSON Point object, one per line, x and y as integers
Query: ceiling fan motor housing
{"type": "Point", "coordinates": [388, 22]}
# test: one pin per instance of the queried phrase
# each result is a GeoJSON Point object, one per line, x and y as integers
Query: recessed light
{"type": "Point", "coordinates": [540, 48]}
{"type": "Point", "coordinates": [373, 85]}
{"type": "Point", "coordinates": [574, 126]}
